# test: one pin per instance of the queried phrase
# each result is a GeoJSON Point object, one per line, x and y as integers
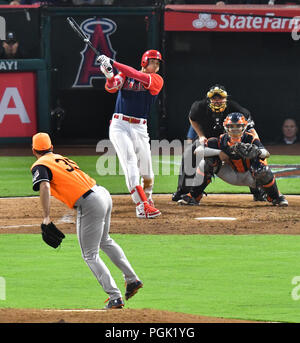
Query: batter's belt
{"type": "Point", "coordinates": [131, 120]}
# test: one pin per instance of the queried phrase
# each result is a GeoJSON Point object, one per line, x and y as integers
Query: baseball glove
{"type": "Point", "coordinates": [52, 235]}
{"type": "Point", "coordinates": [247, 150]}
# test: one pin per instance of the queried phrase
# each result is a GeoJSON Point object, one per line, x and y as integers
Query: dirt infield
{"type": "Point", "coordinates": [23, 215]}
{"type": "Point", "coordinates": [124, 315]}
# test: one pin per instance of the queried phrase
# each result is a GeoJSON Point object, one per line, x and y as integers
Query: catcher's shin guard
{"type": "Point", "coordinates": [196, 192]}
{"type": "Point", "coordinates": [187, 170]}
{"type": "Point", "coordinates": [272, 190]}
{"type": "Point", "coordinates": [258, 194]}
{"type": "Point", "coordinates": [204, 175]}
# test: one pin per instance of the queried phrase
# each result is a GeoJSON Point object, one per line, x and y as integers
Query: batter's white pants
{"type": "Point", "coordinates": [93, 223]}
{"type": "Point", "coordinates": [132, 144]}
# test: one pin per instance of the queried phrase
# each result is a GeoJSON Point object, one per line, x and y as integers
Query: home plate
{"type": "Point", "coordinates": [215, 218]}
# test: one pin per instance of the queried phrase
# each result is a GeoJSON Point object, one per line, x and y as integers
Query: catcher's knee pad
{"type": "Point", "coordinates": [263, 175]}
{"type": "Point", "coordinates": [212, 165]}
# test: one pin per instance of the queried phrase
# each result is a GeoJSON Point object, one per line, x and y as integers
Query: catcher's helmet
{"type": "Point", "coordinates": [220, 91]}
{"type": "Point", "coordinates": [235, 125]}
{"type": "Point", "coordinates": [150, 54]}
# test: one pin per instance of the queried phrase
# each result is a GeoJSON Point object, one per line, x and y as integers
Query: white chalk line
{"type": "Point", "coordinates": [66, 218]}
{"type": "Point", "coordinates": [83, 310]}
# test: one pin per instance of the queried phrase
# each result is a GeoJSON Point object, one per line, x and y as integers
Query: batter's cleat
{"type": "Point", "coordinates": [280, 201]}
{"type": "Point", "coordinates": [151, 202]}
{"type": "Point", "coordinates": [144, 210]}
{"type": "Point", "coordinates": [132, 289]}
{"type": "Point", "coordinates": [189, 200]}
{"type": "Point", "coordinates": [114, 304]}
{"type": "Point", "coordinates": [177, 196]}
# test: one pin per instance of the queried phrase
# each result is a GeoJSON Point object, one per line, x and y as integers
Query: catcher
{"type": "Point", "coordinates": [244, 163]}
{"type": "Point", "coordinates": [66, 182]}
{"type": "Point", "coordinates": [206, 117]}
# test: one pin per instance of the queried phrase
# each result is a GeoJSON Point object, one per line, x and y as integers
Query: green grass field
{"type": "Point", "coordinates": [230, 276]}
{"type": "Point", "coordinates": [15, 176]}
{"type": "Point", "coordinates": [247, 277]}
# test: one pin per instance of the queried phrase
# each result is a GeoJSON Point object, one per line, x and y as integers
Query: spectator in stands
{"type": "Point", "coordinates": [289, 132]}
{"type": "Point", "coordinates": [10, 47]}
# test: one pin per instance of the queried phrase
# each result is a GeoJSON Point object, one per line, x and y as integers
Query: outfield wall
{"type": "Point", "coordinates": [258, 67]}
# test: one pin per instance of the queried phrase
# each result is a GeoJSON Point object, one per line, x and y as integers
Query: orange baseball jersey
{"type": "Point", "coordinates": [224, 143]}
{"type": "Point", "coordinates": [67, 182]}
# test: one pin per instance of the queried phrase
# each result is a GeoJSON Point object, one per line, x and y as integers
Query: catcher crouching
{"type": "Point", "coordinates": [244, 163]}
{"type": "Point", "coordinates": [56, 175]}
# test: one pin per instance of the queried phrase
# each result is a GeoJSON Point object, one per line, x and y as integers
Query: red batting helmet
{"type": "Point", "coordinates": [150, 54]}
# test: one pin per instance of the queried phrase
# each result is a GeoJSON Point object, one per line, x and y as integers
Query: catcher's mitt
{"type": "Point", "coordinates": [247, 150]}
{"type": "Point", "coordinates": [52, 235]}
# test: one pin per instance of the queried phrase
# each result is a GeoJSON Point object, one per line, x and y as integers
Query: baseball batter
{"type": "Point", "coordinates": [245, 164]}
{"type": "Point", "coordinates": [56, 175]}
{"type": "Point", "coordinates": [137, 92]}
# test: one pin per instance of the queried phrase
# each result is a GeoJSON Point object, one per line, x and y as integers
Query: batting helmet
{"type": "Point", "coordinates": [150, 54]}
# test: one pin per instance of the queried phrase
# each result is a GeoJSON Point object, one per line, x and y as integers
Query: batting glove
{"type": "Point", "coordinates": [102, 58]}
{"type": "Point", "coordinates": [107, 70]}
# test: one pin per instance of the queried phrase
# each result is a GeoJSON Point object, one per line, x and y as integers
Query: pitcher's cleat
{"type": "Point", "coordinates": [114, 304]}
{"type": "Point", "coordinates": [132, 289]}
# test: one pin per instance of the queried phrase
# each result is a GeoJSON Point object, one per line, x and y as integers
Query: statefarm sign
{"type": "Point", "coordinates": [234, 18]}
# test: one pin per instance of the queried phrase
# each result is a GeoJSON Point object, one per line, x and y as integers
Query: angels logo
{"type": "Point", "coordinates": [98, 32]}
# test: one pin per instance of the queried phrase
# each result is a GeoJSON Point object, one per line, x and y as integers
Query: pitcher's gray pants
{"type": "Point", "coordinates": [93, 223]}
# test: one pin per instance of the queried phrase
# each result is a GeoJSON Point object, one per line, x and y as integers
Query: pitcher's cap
{"type": "Point", "coordinates": [41, 141]}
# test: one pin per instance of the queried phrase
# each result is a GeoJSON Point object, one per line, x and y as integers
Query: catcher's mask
{"type": "Point", "coordinates": [235, 125]}
{"type": "Point", "coordinates": [217, 98]}
{"type": "Point", "coordinates": [155, 54]}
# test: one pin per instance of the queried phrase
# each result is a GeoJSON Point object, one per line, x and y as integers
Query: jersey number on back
{"type": "Point", "coordinates": [69, 163]}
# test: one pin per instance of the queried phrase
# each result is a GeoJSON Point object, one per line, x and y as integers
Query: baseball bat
{"type": "Point", "coordinates": [83, 36]}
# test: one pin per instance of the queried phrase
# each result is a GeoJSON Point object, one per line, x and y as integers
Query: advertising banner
{"type": "Point", "coordinates": [234, 18]}
{"type": "Point", "coordinates": [18, 104]}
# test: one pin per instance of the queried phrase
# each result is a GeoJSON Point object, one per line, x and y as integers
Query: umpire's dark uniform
{"type": "Point", "coordinates": [211, 124]}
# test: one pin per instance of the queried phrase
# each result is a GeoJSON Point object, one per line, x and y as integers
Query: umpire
{"type": "Point", "coordinates": [206, 117]}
